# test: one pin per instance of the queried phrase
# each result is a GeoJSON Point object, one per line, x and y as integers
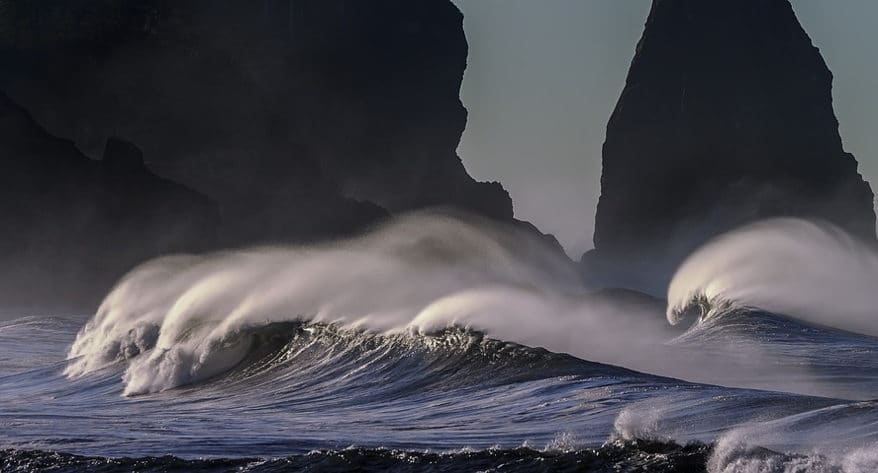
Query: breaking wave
{"type": "Point", "coordinates": [181, 320]}
{"type": "Point", "coordinates": [812, 271]}
{"type": "Point", "coordinates": [418, 346]}
{"type": "Point", "coordinates": [184, 320]}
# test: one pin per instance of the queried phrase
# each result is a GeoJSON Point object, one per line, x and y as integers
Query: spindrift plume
{"type": "Point", "coordinates": [812, 271]}
{"type": "Point", "coordinates": [184, 319]}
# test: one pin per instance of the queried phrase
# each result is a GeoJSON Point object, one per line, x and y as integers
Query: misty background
{"type": "Point", "coordinates": [544, 76]}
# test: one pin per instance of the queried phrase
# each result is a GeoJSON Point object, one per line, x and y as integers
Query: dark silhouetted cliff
{"type": "Point", "coordinates": [72, 225]}
{"type": "Point", "coordinates": [726, 117]}
{"type": "Point", "coordinates": [301, 118]}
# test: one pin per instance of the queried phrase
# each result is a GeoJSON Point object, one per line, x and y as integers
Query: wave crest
{"type": "Point", "coordinates": [808, 270]}
{"type": "Point", "coordinates": [179, 320]}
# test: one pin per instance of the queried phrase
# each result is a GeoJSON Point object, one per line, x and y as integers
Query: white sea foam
{"type": "Point", "coordinates": [742, 450]}
{"type": "Point", "coordinates": [809, 270]}
{"type": "Point", "coordinates": [179, 320]}
{"type": "Point", "coordinates": [183, 319]}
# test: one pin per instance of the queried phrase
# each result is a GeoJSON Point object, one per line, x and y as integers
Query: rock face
{"type": "Point", "coordinates": [726, 117]}
{"type": "Point", "coordinates": [73, 225]}
{"type": "Point", "coordinates": [302, 118]}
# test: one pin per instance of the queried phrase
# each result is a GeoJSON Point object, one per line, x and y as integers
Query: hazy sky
{"type": "Point", "coordinates": [544, 76]}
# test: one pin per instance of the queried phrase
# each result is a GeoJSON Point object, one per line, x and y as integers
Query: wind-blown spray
{"type": "Point", "coordinates": [812, 271]}
{"type": "Point", "coordinates": [183, 319]}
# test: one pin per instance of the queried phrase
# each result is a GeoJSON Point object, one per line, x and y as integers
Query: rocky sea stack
{"type": "Point", "coordinates": [274, 108]}
{"type": "Point", "coordinates": [726, 118]}
{"type": "Point", "coordinates": [301, 119]}
{"type": "Point", "coordinates": [73, 225]}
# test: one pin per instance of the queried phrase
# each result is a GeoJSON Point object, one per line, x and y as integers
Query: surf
{"type": "Point", "coordinates": [179, 320]}
{"type": "Point", "coordinates": [182, 320]}
{"type": "Point", "coordinates": [810, 270]}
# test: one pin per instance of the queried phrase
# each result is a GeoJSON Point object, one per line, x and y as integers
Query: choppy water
{"type": "Point", "coordinates": [171, 376]}
{"type": "Point", "coordinates": [318, 396]}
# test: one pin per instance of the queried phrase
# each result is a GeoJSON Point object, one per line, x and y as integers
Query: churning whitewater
{"type": "Point", "coordinates": [444, 341]}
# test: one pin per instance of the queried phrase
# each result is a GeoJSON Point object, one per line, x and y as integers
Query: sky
{"type": "Point", "coordinates": [544, 76]}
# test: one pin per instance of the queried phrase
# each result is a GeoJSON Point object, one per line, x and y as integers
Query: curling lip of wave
{"type": "Point", "coordinates": [812, 271]}
{"type": "Point", "coordinates": [700, 307]}
{"type": "Point", "coordinates": [182, 319]}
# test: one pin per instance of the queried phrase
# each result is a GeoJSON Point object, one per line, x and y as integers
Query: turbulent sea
{"type": "Point", "coordinates": [442, 344]}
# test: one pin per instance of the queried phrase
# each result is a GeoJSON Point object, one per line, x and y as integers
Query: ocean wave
{"type": "Point", "coordinates": [180, 320]}
{"type": "Point", "coordinates": [763, 350]}
{"type": "Point", "coordinates": [812, 271]}
{"type": "Point", "coordinates": [788, 304]}
{"type": "Point", "coordinates": [183, 320]}
{"type": "Point", "coordinates": [307, 385]}
{"type": "Point", "coordinates": [288, 360]}
{"type": "Point", "coordinates": [427, 334]}
{"type": "Point", "coordinates": [739, 452]}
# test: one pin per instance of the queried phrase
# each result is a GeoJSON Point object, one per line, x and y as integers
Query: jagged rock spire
{"type": "Point", "coordinates": [726, 118]}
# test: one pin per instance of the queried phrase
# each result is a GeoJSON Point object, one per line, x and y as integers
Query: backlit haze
{"type": "Point", "coordinates": [544, 76]}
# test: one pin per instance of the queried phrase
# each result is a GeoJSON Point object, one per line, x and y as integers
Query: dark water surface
{"type": "Point", "coordinates": [318, 397]}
